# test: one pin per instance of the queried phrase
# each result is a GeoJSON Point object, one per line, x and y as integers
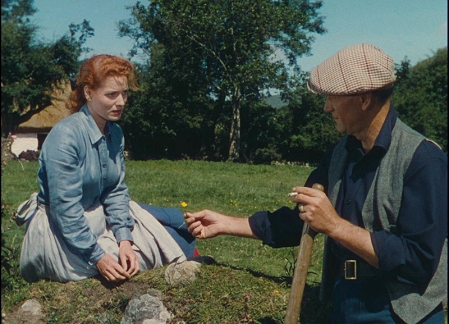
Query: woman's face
{"type": "Point", "coordinates": [107, 102]}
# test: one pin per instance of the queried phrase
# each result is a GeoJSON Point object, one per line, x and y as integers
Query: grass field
{"type": "Point", "coordinates": [250, 282]}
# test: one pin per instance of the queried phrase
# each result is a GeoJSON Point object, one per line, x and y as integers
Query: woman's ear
{"type": "Point", "coordinates": [87, 93]}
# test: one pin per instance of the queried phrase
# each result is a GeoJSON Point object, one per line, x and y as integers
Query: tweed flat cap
{"type": "Point", "coordinates": [354, 69]}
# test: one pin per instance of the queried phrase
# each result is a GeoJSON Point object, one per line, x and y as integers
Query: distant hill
{"type": "Point", "coordinates": [275, 101]}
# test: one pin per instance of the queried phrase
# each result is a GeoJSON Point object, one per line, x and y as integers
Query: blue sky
{"type": "Point", "coordinates": [412, 28]}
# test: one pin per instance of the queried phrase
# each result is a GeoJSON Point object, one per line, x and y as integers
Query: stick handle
{"type": "Point", "coordinates": [301, 271]}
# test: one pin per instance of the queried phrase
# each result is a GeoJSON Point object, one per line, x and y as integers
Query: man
{"type": "Point", "coordinates": [384, 213]}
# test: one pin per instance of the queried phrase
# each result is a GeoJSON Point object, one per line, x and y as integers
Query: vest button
{"type": "Point", "coordinates": [348, 201]}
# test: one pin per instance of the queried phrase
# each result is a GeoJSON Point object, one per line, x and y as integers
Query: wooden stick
{"type": "Point", "coordinates": [301, 271]}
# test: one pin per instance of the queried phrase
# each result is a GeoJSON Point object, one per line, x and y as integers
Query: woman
{"type": "Point", "coordinates": [82, 222]}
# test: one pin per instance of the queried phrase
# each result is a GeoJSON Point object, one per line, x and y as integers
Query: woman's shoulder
{"type": "Point", "coordinates": [69, 127]}
{"type": "Point", "coordinates": [70, 122]}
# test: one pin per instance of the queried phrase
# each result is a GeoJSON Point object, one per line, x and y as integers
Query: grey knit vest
{"type": "Point", "coordinates": [382, 204]}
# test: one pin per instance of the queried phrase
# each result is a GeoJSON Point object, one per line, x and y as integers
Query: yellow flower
{"type": "Point", "coordinates": [183, 204]}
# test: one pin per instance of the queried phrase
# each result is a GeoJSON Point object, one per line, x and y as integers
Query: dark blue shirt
{"type": "Point", "coordinates": [412, 253]}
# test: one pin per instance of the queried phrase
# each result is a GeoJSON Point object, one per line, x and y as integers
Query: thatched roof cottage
{"type": "Point", "coordinates": [31, 134]}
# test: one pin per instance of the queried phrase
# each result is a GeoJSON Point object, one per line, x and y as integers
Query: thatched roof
{"type": "Point", "coordinates": [47, 118]}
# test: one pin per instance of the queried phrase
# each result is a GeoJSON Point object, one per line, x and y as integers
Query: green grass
{"type": "Point", "coordinates": [250, 282]}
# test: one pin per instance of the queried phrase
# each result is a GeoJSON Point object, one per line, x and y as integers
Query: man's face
{"type": "Point", "coordinates": [346, 111]}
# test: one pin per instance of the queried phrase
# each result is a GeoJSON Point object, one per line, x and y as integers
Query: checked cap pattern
{"type": "Point", "coordinates": [354, 69]}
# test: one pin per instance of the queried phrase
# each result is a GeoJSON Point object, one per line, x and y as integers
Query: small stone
{"type": "Point", "coordinates": [182, 273]}
{"type": "Point", "coordinates": [32, 307]}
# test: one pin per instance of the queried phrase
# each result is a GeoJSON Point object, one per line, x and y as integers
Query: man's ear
{"type": "Point", "coordinates": [367, 100]}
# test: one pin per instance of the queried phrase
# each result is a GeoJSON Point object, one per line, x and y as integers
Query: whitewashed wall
{"type": "Point", "coordinates": [24, 142]}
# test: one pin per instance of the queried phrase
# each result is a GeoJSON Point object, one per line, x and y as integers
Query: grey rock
{"type": "Point", "coordinates": [146, 309]}
{"type": "Point", "coordinates": [182, 273]}
{"type": "Point", "coordinates": [185, 272]}
{"type": "Point", "coordinates": [32, 307]}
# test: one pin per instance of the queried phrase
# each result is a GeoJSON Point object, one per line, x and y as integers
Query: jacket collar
{"type": "Point", "coordinates": [92, 129]}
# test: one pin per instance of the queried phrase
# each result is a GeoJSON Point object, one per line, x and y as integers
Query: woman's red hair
{"type": "Point", "coordinates": [92, 74]}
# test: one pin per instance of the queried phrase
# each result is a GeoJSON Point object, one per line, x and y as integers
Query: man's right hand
{"type": "Point", "coordinates": [207, 224]}
{"type": "Point", "coordinates": [204, 224]}
{"type": "Point", "coordinates": [111, 270]}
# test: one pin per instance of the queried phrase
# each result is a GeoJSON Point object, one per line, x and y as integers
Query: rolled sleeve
{"type": "Point", "coordinates": [123, 234]}
{"type": "Point", "coordinates": [95, 256]}
{"type": "Point", "coordinates": [414, 254]}
{"type": "Point", "coordinates": [281, 228]}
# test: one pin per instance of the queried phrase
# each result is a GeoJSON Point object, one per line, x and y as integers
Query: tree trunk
{"type": "Point", "coordinates": [10, 122]}
{"type": "Point", "coordinates": [234, 137]}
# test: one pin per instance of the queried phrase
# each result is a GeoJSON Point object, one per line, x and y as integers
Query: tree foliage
{"type": "Point", "coordinates": [224, 50]}
{"type": "Point", "coordinates": [32, 69]}
{"type": "Point", "coordinates": [312, 130]}
{"type": "Point", "coordinates": [421, 96]}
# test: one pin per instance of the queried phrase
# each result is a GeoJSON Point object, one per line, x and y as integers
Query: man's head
{"type": "Point", "coordinates": [358, 82]}
{"type": "Point", "coordinates": [353, 70]}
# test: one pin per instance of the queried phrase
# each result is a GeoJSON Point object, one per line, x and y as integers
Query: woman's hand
{"type": "Point", "coordinates": [111, 270]}
{"type": "Point", "coordinates": [128, 258]}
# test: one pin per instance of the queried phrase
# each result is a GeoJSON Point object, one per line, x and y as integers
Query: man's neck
{"type": "Point", "coordinates": [370, 135]}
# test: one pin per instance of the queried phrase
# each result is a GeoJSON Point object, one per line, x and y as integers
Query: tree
{"type": "Point", "coordinates": [171, 116]}
{"type": "Point", "coordinates": [32, 69]}
{"type": "Point", "coordinates": [227, 46]}
{"type": "Point", "coordinates": [311, 131]}
{"type": "Point", "coordinates": [420, 97]}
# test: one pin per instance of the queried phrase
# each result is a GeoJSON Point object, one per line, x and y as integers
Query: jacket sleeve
{"type": "Point", "coordinates": [61, 156]}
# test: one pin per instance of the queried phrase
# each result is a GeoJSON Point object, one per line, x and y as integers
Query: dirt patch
{"type": "Point", "coordinates": [91, 297]}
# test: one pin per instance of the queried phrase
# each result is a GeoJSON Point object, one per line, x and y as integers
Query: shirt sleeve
{"type": "Point", "coordinates": [283, 227]}
{"type": "Point", "coordinates": [115, 199]}
{"type": "Point", "coordinates": [413, 253]}
{"type": "Point", "coordinates": [61, 157]}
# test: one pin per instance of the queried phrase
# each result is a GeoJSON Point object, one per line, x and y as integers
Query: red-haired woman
{"type": "Point", "coordinates": [83, 222]}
